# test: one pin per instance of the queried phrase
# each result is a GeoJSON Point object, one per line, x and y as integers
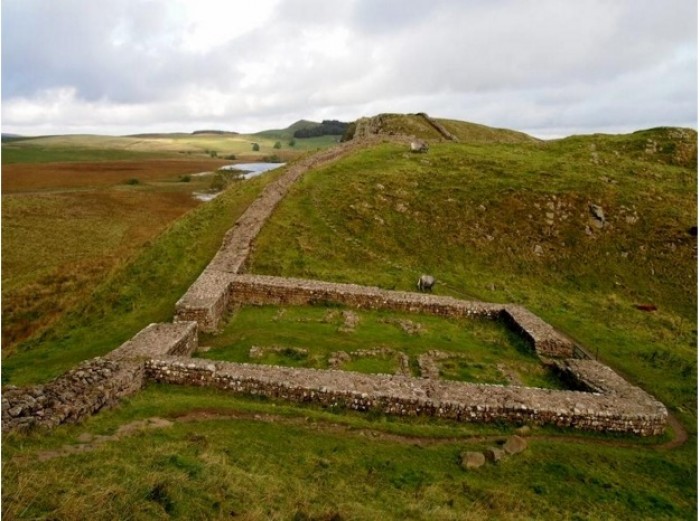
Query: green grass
{"type": "Point", "coordinates": [480, 345]}
{"type": "Point", "coordinates": [469, 214]}
{"type": "Point", "coordinates": [142, 290]}
{"type": "Point", "coordinates": [25, 152]}
{"type": "Point", "coordinates": [271, 463]}
{"type": "Point", "coordinates": [473, 215]}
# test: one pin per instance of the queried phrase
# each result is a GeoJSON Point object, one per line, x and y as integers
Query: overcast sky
{"type": "Point", "coordinates": [547, 67]}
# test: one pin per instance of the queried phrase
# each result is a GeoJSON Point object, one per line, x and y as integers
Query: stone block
{"type": "Point", "coordinates": [494, 455]}
{"type": "Point", "coordinates": [472, 460]}
{"type": "Point", "coordinates": [514, 445]}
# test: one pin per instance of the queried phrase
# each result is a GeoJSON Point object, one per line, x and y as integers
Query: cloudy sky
{"type": "Point", "coordinates": [547, 67]}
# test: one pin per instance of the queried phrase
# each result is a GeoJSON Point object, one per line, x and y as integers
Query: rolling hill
{"type": "Point", "coordinates": [596, 234]}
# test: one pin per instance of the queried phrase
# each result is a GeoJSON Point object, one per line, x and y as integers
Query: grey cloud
{"type": "Point", "coordinates": [529, 64]}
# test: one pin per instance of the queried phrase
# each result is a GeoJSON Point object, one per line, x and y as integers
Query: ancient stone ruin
{"type": "Point", "coordinates": [602, 401]}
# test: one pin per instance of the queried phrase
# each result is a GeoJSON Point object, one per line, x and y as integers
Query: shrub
{"type": "Point", "coordinates": [256, 147]}
{"type": "Point", "coordinates": [278, 145]}
{"type": "Point", "coordinates": [132, 181]}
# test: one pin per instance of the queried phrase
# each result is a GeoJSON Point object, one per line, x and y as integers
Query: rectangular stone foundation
{"type": "Point", "coordinates": [634, 413]}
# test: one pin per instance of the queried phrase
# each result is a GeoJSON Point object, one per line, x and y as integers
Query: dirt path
{"type": "Point", "coordinates": [87, 442]}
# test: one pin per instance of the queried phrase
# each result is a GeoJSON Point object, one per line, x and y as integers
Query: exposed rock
{"type": "Point", "coordinates": [350, 321]}
{"type": "Point", "coordinates": [419, 146]}
{"type": "Point", "coordinates": [494, 455]}
{"type": "Point", "coordinates": [525, 430]}
{"type": "Point", "coordinates": [514, 445]}
{"type": "Point", "coordinates": [537, 250]}
{"type": "Point", "coordinates": [472, 460]}
{"type": "Point", "coordinates": [597, 212]}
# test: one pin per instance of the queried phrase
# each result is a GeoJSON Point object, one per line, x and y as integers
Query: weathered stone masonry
{"type": "Point", "coordinates": [97, 383]}
{"type": "Point", "coordinates": [617, 408]}
{"type": "Point", "coordinates": [207, 299]}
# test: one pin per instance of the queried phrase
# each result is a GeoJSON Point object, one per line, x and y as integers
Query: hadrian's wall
{"type": "Point", "coordinates": [261, 289]}
{"type": "Point", "coordinates": [207, 299]}
{"type": "Point", "coordinates": [94, 384]}
{"type": "Point", "coordinates": [79, 393]}
{"type": "Point", "coordinates": [634, 412]}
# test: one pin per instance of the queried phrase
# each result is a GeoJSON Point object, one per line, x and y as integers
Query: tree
{"type": "Point", "coordinates": [278, 145]}
{"type": "Point", "coordinates": [256, 147]}
{"type": "Point", "coordinates": [292, 142]}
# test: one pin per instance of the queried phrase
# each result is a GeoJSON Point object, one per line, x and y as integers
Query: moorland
{"type": "Point", "coordinates": [596, 234]}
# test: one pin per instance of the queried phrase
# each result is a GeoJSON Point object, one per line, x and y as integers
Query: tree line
{"type": "Point", "coordinates": [326, 127]}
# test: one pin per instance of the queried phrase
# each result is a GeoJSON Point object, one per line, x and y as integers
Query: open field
{"type": "Point", "coordinates": [30, 177]}
{"type": "Point", "coordinates": [155, 146]}
{"type": "Point", "coordinates": [502, 222]}
{"type": "Point", "coordinates": [66, 225]}
{"type": "Point", "coordinates": [109, 256]}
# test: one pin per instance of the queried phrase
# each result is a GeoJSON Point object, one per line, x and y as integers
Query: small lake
{"type": "Point", "coordinates": [253, 169]}
{"type": "Point", "coordinates": [249, 170]}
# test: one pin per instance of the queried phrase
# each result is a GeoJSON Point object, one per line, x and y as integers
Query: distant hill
{"type": "Point", "coordinates": [287, 133]}
{"type": "Point", "coordinates": [422, 126]}
{"type": "Point", "coordinates": [218, 132]}
{"type": "Point", "coordinates": [12, 137]}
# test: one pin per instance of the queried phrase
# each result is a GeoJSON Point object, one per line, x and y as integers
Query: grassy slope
{"type": "Point", "coordinates": [299, 469]}
{"type": "Point", "coordinates": [141, 290]}
{"type": "Point", "coordinates": [327, 465]}
{"type": "Point", "coordinates": [477, 216]}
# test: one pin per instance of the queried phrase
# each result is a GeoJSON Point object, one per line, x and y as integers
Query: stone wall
{"type": "Point", "coordinates": [405, 396]}
{"type": "Point", "coordinates": [609, 403]}
{"type": "Point", "coordinates": [206, 300]}
{"type": "Point", "coordinates": [548, 343]}
{"type": "Point", "coordinates": [97, 383]}
{"type": "Point", "coordinates": [81, 392]}
{"type": "Point", "coordinates": [439, 127]}
{"type": "Point", "coordinates": [262, 289]}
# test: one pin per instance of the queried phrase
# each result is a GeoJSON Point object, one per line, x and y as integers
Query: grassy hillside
{"type": "Point", "coordinates": [580, 230]}
{"type": "Point", "coordinates": [474, 133]}
{"type": "Point", "coordinates": [219, 457]}
{"type": "Point", "coordinates": [418, 126]}
{"type": "Point", "coordinates": [517, 223]}
{"type": "Point", "coordinates": [140, 288]}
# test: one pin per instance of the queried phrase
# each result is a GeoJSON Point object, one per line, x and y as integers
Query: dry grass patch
{"type": "Point", "coordinates": [22, 177]}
